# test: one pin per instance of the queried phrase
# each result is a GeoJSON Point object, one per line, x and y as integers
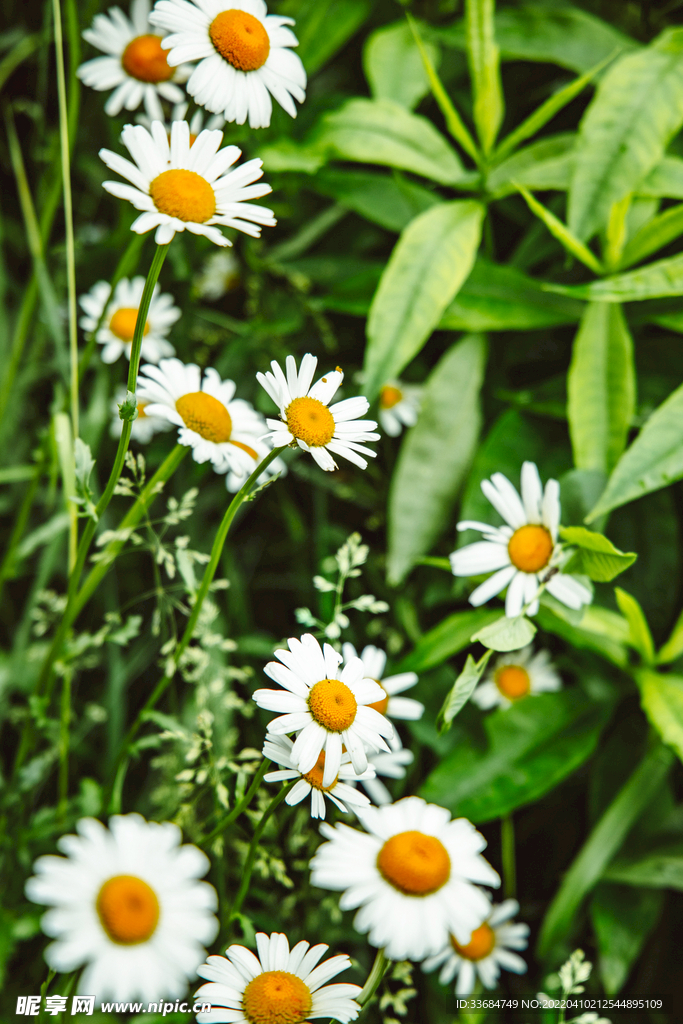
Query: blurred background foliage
{"type": "Point", "coordinates": [394, 254]}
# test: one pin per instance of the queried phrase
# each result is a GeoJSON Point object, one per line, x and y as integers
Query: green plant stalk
{"type": "Point", "coordinates": [209, 573]}
{"type": "Point", "coordinates": [20, 522]}
{"type": "Point", "coordinates": [65, 721]}
{"type": "Point", "coordinates": [373, 981]}
{"type": "Point", "coordinates": [507, 843]}
{"type": "Point", "coordinates": [239, 807]}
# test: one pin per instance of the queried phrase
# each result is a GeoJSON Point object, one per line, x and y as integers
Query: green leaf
{"type": "Point", "coordinates": [654, 460]}
{"type": "Point", "coordinates": [445, 435]}
{"type": "Point", "coordinates": [654, 235]}
{"type": "Point", "coordinates": [640, 636]}
{"type": "Point", "coordinates": [637, 109]}
{"type": "Point", "coordinates": [601, 845]}
{"type": "Point", "coordinates": [661, 697]}
{"type": "Point", "coordinates": [500, 298]}
{"type": "Point", "coordinates": [432, 259]}
{"type": "Point", "coordinates": [507, 634]}
{"type": "Point", "coordinates": [623, 918]}
{"type": "Point", "coordinates": [289, 155]}
{"type": "Point", "coordinates": [666, 179]}
{"type": "Point", "coordinates": [393, 65]}
{"type": "Point", "coordinates": [597, 556]}
{"type": "Point", "coordinates": [531, 747]}
{"type": "Point", "coordinates": [462, 690]}
{"type": "Point", "coordinates": [448, 638]}
{"type": "Point", "coordinates": [324, 26]}
{"type": "Point", "coordinates": [601, 388]}
{"type": "Point", "coordinates": [544, 165]}
{"type": "Point", "coordinates": [391, 202]}
{"type": "Point", "coordinates": [484, 61]}
{"type": "Point", "coordinates": [599, 629]}
{"type": "Point", "coordinates": [655, 281]}
{"type": "Point", "coordinates": [561, 232]}
{"type": "Point", "coordinates": [660, 868]}
{"type": "Point", "coordinates": [382, 132]}
{"type": "Point", "coordinates": [673, 648]}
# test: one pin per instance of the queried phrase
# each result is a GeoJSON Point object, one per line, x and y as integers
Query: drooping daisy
{"type": "Point", "coordinates": [277, 987]}
{"type": "Point", "coordinates": [136, 66]}
{"type": "Point", "coordinates": [179, 186]}
{"type": "Point", "coordinates": [411, 873]}
{"type": "Point", "coordinates": [393, 766]}
{"type": "Point", "coordinates": [219, 428]}
{"type": "Point", "coordinates": [127, 902]}
{"type": "Point", "coordinates": [118, 325]}
{"type": "Point", "coordinates": [342, 795]}
{"type": "Point", "coordinates": [327, 706]}
{"type": "Point", "coordinates": [305, 419]}
{"type": "Point", "coordinates": [514, 676]}
{"type": "Point", "coordinates": [243, 52]}
{"type": "Point", "coordinates": [525, 552]}
{"type": "Point", "coordinates": [489, 948]}
{"type": "Point", "coordinates": [374, 661]}
{"type": "Point", "coordinates": [399, 407]}
{"type": "Point", "coordinates": [144, 426]}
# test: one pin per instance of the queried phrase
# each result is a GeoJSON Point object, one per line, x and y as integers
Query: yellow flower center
{"type": "Point", "coordinates": [276, 997]}
{"type": "Point", "coordinates": [247, 449]}
{"type": "Point", "coordinates": [482, 941]}
{"type": "Point", "coordinates": [122, 324]}
{"type": "Point", "coordinates": [530, 548]}
{"type": "Point", "coordinates": [128, 909]}
{"type": "Point", "coordinates": [512, 681]}
{"type": "Point", "coordinates": [205, 415]}
{"type": "Point", "coordinates": [414, 863]}
{"type": "Point", "coordinates": [142, 415]}
{"type": "Point", "coordinates": [332, 704]}
{"type": "Point", "coordinates": [315, 776]}
{"type": "Point", "coordinates": [382, 704]}
{"type": "Point", "coordinates": [183, 194]}
{"type": "Point", "coordinates": [310, 421]}
{"type": "Point", "coordinates": [241, 39]}
{"type": "Point", "coordinates": [389, 396]}
{"type": "Point", "coordinates": [145, 60]}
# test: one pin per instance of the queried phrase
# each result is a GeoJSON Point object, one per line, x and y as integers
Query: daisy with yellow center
{"type": "Point", "coordinates": [135, 65]}
{"type": "Point", "coordinates": [307, 422]}
{"type": "Point", "coordinates": [489, 948]}
{"type": "Point", "coordinates": [399, 407]}
{"type": "Point", "coordinates": [126, 901]}
{"type": "Point", "coordinates": [116, 331]}
{"type": "Point", "coordinates": [516, 675]}
{"type": "Point", "coordinates": [197, 122]}
{"type": "Point", "coordinates": [280, 986]}
{"type": "Point", "coordinates": [340, 792]}
{"type": "Point", "coordinates": [411, 873]}
{"type": "Point", "coordinates": [143, 427]}
{"type": "Point", "coordinates": [181, 186]}
{"type": "Point", "coordinates": [523, 555]}
{"type": "Point", "coordinates": [244, 56]}
{"type": "Point", "coordinates": [328, 707]}
{"type": "Point", "coordinates": [220, 428]}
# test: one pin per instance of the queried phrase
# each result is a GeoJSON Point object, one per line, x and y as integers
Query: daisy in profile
{"type": "Point", "coordinates": [339, 792]}
{"type": "Point", "coordinates": [219, 428]}
{"type": "Point", "coordinates": [307, 421]}
{"type": "Point", "coordinates": [392, 766]}
{"type": "Point", "coordinates": [143, 427]}
{"type": "Point", "coordinates": [515, 675]}
{"type": "Point", "coordinates": [180, 186]}
{"type": "Point", "coordinates": [399, 407]}
{"type": "Point", "coordinates": [327, 706]}
{"type": "Point", "coordinates": [524, 553]}
{"type": "Point", "coordinates": [135, 65]}
{"type": "Point", "coordinates": [118, 325]}
{"type": "Point", "coordinates": [127, 902]}
{"type": "Point", "coordinates": [411, 873]}
{"type": "Point", "coordinates": [490, 947]}
{"type": "Point", "coordinates": [374, 661]}
{"type": "Point", "coordinates": [244, 56]}
{"type": "Point", "coordinates": [280, 986]}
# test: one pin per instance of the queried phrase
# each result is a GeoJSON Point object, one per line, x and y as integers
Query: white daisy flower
{"type": "Point", "coordinates": [277, 987]}
{"type": "Point", "coordinates": [219, 428]}
{"type": "Point", "coordinates": [411, 873]}
{"type": "Point", "coordinates": [143, 427]}
{"type": "Point", "coordinates": [244, 56]}
{"type": "Point", "coordinates": [305, 419]}
{"type": "Point", "coordinates": [179, 185]}
{"type": "Point", "coordinates": [393, 766]}
{"type": "Point", "coordinates": [326, 705]}
{"type": "Point", "coordinates": [374, 662]}
{"type": "Point", "coordinates": [399, 407]}
{"type": "Point", "coordinates": [220, 273]}
{"type": "Point", "coordinates": [342, 795]}
{"type": "Point", "coordinates": [525, 552]}
{"type": "Point", "coordinates": [126, 902]}
{"type": "Point", "coordinates": [118, 325]}
{"type": "Point", "coordinates": [514, 676]}
{"type": "Point", "coordinates": [178, 113]}
{"type": "Point", "coordinates": [136, 66]}
{"type": "Point", "coordinates": [489, 948]}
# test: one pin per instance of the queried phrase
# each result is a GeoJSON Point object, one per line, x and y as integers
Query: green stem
{"type": "Point", "coordinates": [241, 806]}
{"type": "Point", "coordinates": [64, 745]}
{"type": "Point", "coordinates": [507, 842]}
{"type": "Point", "coordinates": [7, 567]}
{"type": "Point", "coordinates": [377, 972]}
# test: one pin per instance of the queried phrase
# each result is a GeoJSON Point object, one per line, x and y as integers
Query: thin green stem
{"type": "Point", "coordinates": [240, 807]}
{"type": "Point", "coordinates": [374, 979]}
{"type": "Point", "coordinates": [7, 564]}
{"type": "Point", "coordinates": [507, 843]}
{"type": "Point", "coordinates": [65, 721]}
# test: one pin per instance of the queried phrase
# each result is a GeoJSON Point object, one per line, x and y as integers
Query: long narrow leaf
{"type": "Point", "coordinates": [560, 231]}
{"type": "Point", "coordinates": [483, 57]}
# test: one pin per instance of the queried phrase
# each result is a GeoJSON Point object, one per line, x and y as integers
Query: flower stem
{"type": "Point", "coordinates": [64, 744]}
{"type": "Point", "coordinates": [377, 972]}
{"type": "Point", "coordinates": [507, 843]}
{"type": "Point", "coordinates": [241, 806]}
